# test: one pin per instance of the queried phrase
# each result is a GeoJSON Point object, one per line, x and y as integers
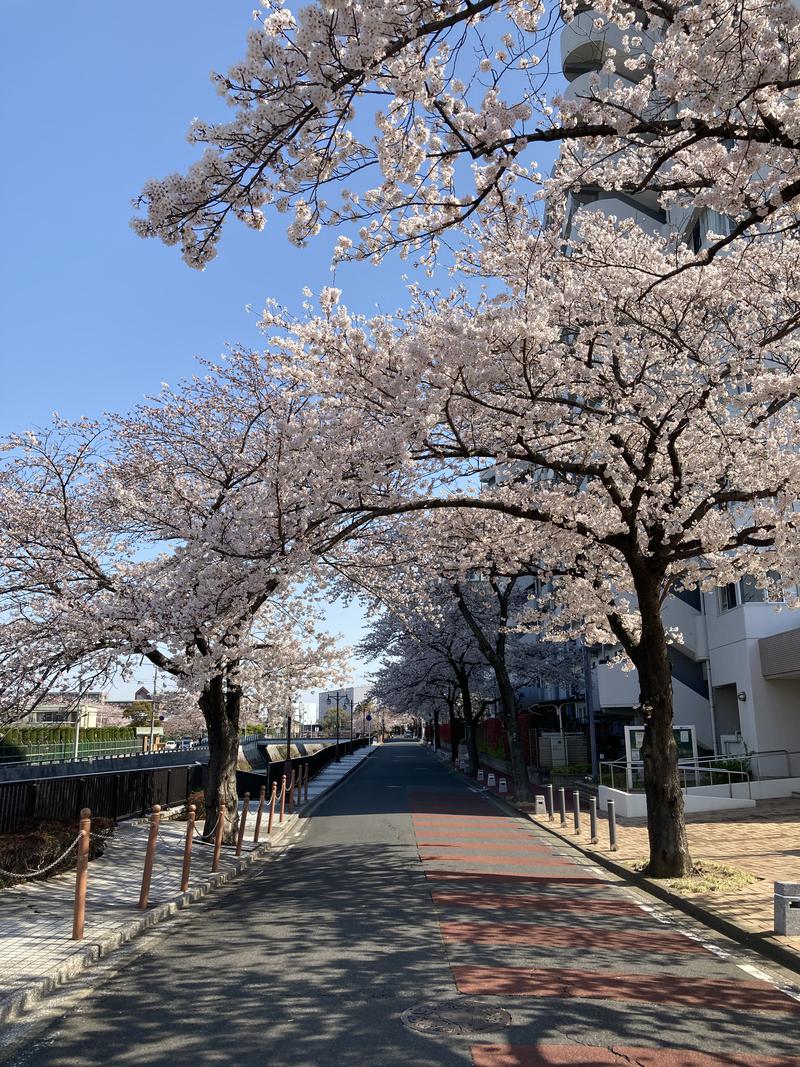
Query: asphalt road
{"type": "Point", "coordinates": [404, 889]}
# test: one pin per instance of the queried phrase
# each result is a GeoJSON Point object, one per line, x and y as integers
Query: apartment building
{"type": "Point", "coordinates": [736, 663]}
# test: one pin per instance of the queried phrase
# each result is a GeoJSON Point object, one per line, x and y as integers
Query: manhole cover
{"type": "Point", "coordinates": [455, 1017]}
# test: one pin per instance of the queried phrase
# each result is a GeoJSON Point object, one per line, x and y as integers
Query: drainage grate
{"type": "Point", "coordinates": [455, 1017]}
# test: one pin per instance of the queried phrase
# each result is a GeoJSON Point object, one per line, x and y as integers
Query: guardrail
{"type": "Point", "coordinates": [631, 774]}
{"type": "Point", "coordinates": [109, 794]}
{"type": "Point", "coordinates": [128, 793]}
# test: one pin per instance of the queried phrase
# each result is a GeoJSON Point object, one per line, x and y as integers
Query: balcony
{"type": "Point", "coordinates": [584, 46]}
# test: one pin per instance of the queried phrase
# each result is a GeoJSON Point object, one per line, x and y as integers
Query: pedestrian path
{"type": "Point", "coordinates": [591, 974]}
{"type": "Point", "coordinates": [36, 950]}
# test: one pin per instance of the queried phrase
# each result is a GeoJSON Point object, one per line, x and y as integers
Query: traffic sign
{"type": "Point", "coordinates": [369, 718]}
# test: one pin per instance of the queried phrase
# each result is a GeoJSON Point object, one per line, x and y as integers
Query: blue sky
{"type": "Point", "coordinates": [97, 98]}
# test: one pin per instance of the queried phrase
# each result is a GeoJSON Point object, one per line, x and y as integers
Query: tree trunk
{"type": "Point", "coordinates": [435, 729]}
{"type": "Point", "coordinates": [220, 706]}
{"type": "Point", "coordinates": [470, 733]}
{"type": "Point", "coordinates": [453, 731]}
{"type": "Point", "coordinates": [508, 716]}
{"type": "Point", "coordinates": [666, 827]}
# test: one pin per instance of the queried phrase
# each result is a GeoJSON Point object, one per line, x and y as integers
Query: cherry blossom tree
{"type": "Point", "coordinates": [175, 533]}
{"type": "Point", "coordinates": [640, 439]}
{"type": "Point", "coordinates": [693, 100]}
{"type": "Point", "coordinates": [446, 589]}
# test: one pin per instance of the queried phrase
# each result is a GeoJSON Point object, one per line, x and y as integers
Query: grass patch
{"type": "Point", "coordinates": [705, 878]}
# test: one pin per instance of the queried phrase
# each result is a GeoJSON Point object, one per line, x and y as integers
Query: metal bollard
{"type": "Point", "coordinates": [305, 792]}
{"type": "Point", "coordinates": [242, 821]}
{"type": "Point", "coordinates": [283, 798]}
{"type": "Point", "coordinates": [593, 838]}
{"type": "Point", "coordinates": [262, 795]}
{"type": "Point", "coordinates": [291, 792]}
{"type": "Point", "coordinates": [299, 786]}
{"type": "Point", "coordinates": [562, 805]}
{"type": "Point", "coordinates": [551, 807]}
{"type": "Point", "coordinates": [187, 848]}
{"type": "Point", "coordinates": [576, 810]}
{"type": "Point", "coordinates": [82, 874]}
{"type": "Point", "coordinates": [220, 830]}
{"type": "Point", "coordinates": [612, 826]}
{"type": "Point", "coordinates": [150, 856]}
{"type": "Point", "coordinates": [272, 807]}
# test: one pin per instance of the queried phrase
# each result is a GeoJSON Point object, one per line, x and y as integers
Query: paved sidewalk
{"type": "Point", "coordinates": [36, 950]}
{"type": "Point", "coordinates": [765, 844]}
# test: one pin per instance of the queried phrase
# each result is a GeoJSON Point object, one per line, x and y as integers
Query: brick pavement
{"type": "Point", "coordinates": [764, 842]}
{"type": "Point", "coordinates": [574, 936]}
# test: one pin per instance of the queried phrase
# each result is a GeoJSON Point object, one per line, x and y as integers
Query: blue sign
{"type": "Point", "coordinates": [369, 718]}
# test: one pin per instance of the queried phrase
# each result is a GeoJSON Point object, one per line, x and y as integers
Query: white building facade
{"type": "Point", "coordinates": [736, 664]}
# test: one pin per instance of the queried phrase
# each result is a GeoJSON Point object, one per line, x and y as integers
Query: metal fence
{"type": "Point", "coordinates": [251, 781]}
{"type": "Point", "coordinates": [110, 795]}
{"type": "Point", "coordinates": [125, 794]}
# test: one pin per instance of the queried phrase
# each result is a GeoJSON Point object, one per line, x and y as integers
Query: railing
{"type": "Point", "coordinates": [64, 751]}
{"type": "Point", "coordinates": [109, 794]}
{"type": "Point", "coordinates": [250, 781]}
{"type": "Point", "coordinates": [124, 794]}
{"type": "Point", "coordinates": [632, 774]}
{"type": "Point", "coordinates": [780, 758]}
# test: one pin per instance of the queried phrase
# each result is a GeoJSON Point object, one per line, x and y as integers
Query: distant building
{"type": "Point", "coordinates": [349, 698]}
{"type": "Point", "coordinates": [64, 708]}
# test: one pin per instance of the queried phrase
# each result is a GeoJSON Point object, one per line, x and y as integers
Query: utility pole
{"type": "Point", "coordinates": [153, 709]}
{"type": "Point", "coordinates": [287, 768]}
{"type": "Point", "coordinates": [587, 682]}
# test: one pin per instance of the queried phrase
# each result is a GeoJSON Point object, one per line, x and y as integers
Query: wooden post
{"type": "Point", "coordinates": [220, 830]}
{"type": "Point", "coordinates": [262, 793]}
{"type": "Point", "coordinates": [242, 821]}
{"type": "Point", "coordinates": [272, 807]}
{"type": "Point", "coordinates": [291, 792]}
{"type": "Point", "coordinates": [187, 848]}
{"type": "Point", "coordinates": [150, 856]}
{"type": "Point", "coordinates": [283, 798]}
{"type": "Point", "coordinates": [305, 797]}
{"type": "Point", "coordinates": [81, 874]}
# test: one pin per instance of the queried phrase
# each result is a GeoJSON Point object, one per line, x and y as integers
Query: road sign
{"type": "Point", "coordinates": [369, 718]}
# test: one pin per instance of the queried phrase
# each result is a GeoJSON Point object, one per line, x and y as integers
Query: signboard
{"type": "Point", "coordinates": [685, 739]}
{"type": "Point", "coordinates": [369, 718]}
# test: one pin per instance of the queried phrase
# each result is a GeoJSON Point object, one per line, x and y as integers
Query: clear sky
{"type": "Point", "coordinates": [97, 98]}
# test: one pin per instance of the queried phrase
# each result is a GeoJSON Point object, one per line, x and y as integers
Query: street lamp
{"type": "Point", "coordinates": [330, 701]}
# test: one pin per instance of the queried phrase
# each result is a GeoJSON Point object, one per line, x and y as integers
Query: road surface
{"type": "Point", "coordinates": [412, 921]}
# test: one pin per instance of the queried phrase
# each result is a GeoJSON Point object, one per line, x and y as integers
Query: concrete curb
{"type": "Point", "coordinates": [759, 943]}
{"type": "Point", "coordinates": [23, 1000]}
{"type": "Point", "coordinates": [308, 806]}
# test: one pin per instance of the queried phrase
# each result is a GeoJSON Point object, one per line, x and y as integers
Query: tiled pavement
{"type": "Point", "coordinates": [36, 950]}
{"type": "Point", "coordinates": [764, 842]}
{"type": "Point", "coordinates": [529, 924]}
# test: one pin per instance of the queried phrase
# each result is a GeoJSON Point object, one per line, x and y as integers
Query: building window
{"type": "Point", "coordinates": [753, 594]}
{"type": "Point", "coordinates": [727, 598]}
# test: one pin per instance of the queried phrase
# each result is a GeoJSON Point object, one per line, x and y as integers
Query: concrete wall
{"type": "Point", "coordinates": [634, 805]}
